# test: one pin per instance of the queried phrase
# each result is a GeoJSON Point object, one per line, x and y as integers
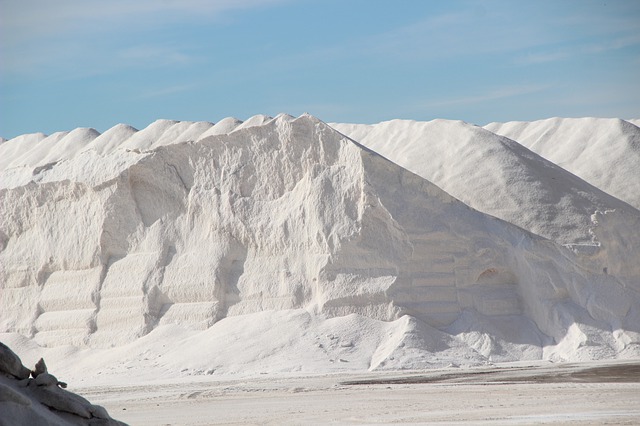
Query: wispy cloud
{"type": "Point", "coordinates": [75, 59]}
{"type": "Point", "coordinates": [434, 38]}
{"type": "Point", "coordinates": [37, 36]}
{"type": "Point", "coordinates": [614, 44]}
{"type": "Point", "coordinates": [565, 53]}
{"type": "Point", "coordinates": [475, 31]}
{"type": "Point", "coordinates": [165, 91]}
{"type": "Point", "coordinates": [467, 32]}
{"type": "Point", "coordinates": [154, 55]}
{"type": "Point", "coordinates": [27, 19]}
{"type": "Point", "coordinates": [489, 95]}
{"type": "Point", "coordinates": [542, 57]}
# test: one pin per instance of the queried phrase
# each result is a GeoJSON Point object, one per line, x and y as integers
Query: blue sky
{"type": "Point", "coordinates": [88, 63]}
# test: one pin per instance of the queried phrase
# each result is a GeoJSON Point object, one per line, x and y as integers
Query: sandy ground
{"type": "Point", "coordinates": [586, 393]}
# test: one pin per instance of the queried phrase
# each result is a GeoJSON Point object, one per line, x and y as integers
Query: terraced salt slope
{"type": "Point", "coordinates": [290, 223]}
{"type": "Point", "coordinates": [604, 152]}
{"type": "Point", "coordinates": [492, 174]}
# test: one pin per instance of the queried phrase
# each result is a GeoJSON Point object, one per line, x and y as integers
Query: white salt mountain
{"type": "Point", "coordinates": [603, 151]}
{"type": "Point", "coordinates": [285, 246]}
{"type": "Point", "coordinates": [493, 174]}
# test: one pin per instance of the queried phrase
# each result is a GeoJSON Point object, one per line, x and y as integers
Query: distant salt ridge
{"type": "Point", "coordinates": [31, 157]}
{"type": "Point", "coordinates": [604, 152]}
{"type": "Point", "coordinates": [287, 233]}
{"type": "Point", "coordinates": [492, 174]}
{"type": "Point", "coordinates": [33, 149]}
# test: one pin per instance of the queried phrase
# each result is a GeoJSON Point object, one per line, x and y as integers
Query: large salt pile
{"type": "Point", "coordinates": [603, 151]}
{"type": "Point", "coordinates": [494, 175]}
{"type": "Point", "coordinates": [282, 245]}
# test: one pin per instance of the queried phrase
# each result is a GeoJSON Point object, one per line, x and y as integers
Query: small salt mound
{"type": "Point", "coordinates": [37, 152]}
{"type": "Point", "coordinates": [285, 118]}
{"type": "Point", "coordinates": [222, 127]}
{"type": "Point", "coordinates": [182, 131]}
{"type": "Point", "coordinates": [111, 139]}
{"type": "Point", "coordinates": [70, 145]}
{"type": "Point", "coordinates": [57, 147]}
{"type": "Point", "coordinates": [43, 155]}
{"type": "Point", "coordinates": [604, 152]}
{"type": "Point", "coordinates": [145, 138]}
{"type": "Point", "coordinates": [192, 133]}
{"type": "Point", "coordinates": [256, 120]}
{"type": "Point", "coordinates": [13, 148]}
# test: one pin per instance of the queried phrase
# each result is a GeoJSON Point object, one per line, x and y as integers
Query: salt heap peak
{"type": "Point", "coordinates": [222, 127]}
{"type": "Point", "coordinates": [291, 219]}
{"type": "Point", "coordinates": [111, 139]}
{"type": "Point", "coordinates": [147, 137]}
{"type": "Point", "coordinates": [256, 120]}
{"type": "Point", "coordinates": [13, 148]}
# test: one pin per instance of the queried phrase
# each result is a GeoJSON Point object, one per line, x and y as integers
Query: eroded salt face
{"type": "Point", "coordinates": [288, 222]}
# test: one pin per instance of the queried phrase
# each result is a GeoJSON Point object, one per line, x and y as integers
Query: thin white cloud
{"type": "Point", "coordinates": [154, 55]}
{"type": "Point", "coordinates": [165, 91]}
{"type": "Point", "coordinates": [580, 50]}
{"type": "Point", "coordinates": [542, 57]}
{"type": "Point", "coordinates": [615, 44]}
{"type": "Point", "coordinates": [80, 37]}
{"type": "Point", "coordinates": [28, 19]}
{"type": "Point", "coordinates": [490, 95]}
{"type": "Point", "coordinates": [75, 59]}
{"type": "Point", "coordinates": [471, 32]}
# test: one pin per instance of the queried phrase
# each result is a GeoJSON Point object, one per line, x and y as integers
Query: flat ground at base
{"type": "Point", "coordinates": [586, 393]}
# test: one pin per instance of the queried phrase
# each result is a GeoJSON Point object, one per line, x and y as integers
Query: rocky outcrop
{"type": "Point", "coordinates": [40, 400]}
{"type": "Point", "coordinates": [10, 363]}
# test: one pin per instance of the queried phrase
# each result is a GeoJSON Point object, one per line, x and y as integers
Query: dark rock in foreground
{"type": "Point", "coordinates": [41, 400]}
